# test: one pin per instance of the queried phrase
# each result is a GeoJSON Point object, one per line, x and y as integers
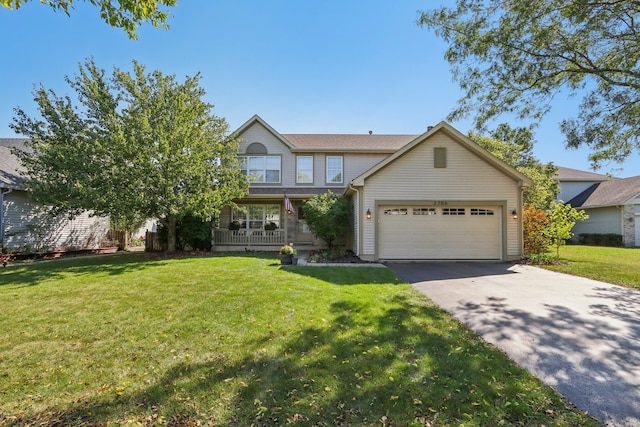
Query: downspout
{"type": "Point", "coordinates": [358, 219]}
{"type": "Point", "coordinates": [2, 193]}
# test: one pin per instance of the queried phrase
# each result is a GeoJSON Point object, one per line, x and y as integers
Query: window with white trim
{"type": "Point", "coordinates": [304, 166]}
{"type": "Point", "coordinates": [334, 169]}
{"type": "Point", "coordinates": [262, 169]}
{"type": "Point", "coordinates": [257, 216]}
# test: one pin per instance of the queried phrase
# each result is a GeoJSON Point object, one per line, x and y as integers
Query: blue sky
{"type": "Point", "coordinates": [304, 67]}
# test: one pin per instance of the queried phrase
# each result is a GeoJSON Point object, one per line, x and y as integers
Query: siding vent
{"type": "Point", "coordinates": [439, 157]}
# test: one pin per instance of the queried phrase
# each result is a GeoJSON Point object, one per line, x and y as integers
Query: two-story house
{"type": "Point", "coordinates": [432, 196]}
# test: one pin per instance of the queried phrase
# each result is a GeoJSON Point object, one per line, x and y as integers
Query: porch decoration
{"type": "Point", "coordinates": [287, 253]}
{"type": "Point", "coordinates": [288, 206]}
{"type": "Point", "coordinates": [270, 226]}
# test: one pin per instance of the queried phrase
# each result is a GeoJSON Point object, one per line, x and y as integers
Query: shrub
{"type": "Point", "coordinates": [327, 216]}
{"type": "Point", "coordinates": [542, 259]}
{"type": "Point", "coordinates": [598, 239]}
{"type": "Point", "coordinates": [191, 234]}
{"type": "Point", "coordinates": [534, 222]}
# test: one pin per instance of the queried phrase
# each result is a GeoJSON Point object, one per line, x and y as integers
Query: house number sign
{"type": "Point", "coordinates": [440, 203]}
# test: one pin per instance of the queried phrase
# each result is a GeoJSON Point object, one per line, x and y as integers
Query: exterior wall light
{"type": "Point", "coordinates": [368, 214]}
{"type": "Point", "coordinates": [514, 214]}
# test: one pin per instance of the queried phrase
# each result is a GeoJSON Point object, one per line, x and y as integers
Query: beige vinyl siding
{"type": "Point", "coordinates": [466, 177]}
{"type": "Point", "coordinates": [601, 220]}
{"type": "Point", "coordinates": [25, 223]}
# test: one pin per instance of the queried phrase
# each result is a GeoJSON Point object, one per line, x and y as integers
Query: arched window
{"type": "Point", "coordinates": [256, 148]}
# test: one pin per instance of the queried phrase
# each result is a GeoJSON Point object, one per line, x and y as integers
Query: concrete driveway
{"type": "Point", "coordinates": [580, 336]}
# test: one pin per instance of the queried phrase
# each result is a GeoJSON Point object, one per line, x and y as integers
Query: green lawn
{"type": "Point", "coordinates": [238, 340]}
{"type": "Point", "coordinates": [620, 266]}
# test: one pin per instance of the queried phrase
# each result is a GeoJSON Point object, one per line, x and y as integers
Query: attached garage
{"type": "Point", "coordinates": [439, 232]}
{"type": "Point", "coordinates": [440, 197]}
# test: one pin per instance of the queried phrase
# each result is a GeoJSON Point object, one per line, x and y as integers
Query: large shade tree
{"type": "Point", "coordinates": [515, 56]}
{"type": "Point", "coordinates": [515, 147]}
{"type": "Point", "coordinates": [135, 145]}
{"type": "Point", "coordinates": [125, 14]}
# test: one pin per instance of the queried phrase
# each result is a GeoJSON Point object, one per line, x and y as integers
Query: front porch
{"type": "Point", "coordinates": [249, 237]}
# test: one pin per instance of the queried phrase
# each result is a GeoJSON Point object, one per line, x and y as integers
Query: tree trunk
{"type": "Point", "coordinates": [171, 233]}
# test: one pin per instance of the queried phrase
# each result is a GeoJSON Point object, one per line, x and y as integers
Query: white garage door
{"type": "Point", "coordinates": [416, 232]}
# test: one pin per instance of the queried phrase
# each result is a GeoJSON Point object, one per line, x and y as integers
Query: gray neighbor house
{"type": "Point", "coordinates": [24, 225]}
{"type": "Point", "coordinates": [613, 204]}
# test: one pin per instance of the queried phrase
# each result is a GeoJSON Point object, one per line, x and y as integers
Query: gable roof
{"type": "Point", "coordinates": [307, 142]}
{"type": "Point", "coordinates": [349, 142]}
{"type": "Point", "coordinates": [10, 169]}
{"type": "Point", "coordinates": [568, 174]}
{"type": "Point", "coordinates": [608, 193]}
{"type": "Point", "coordinates": [459, 138]}
{"type": "Point", "coordinates": [257, 119]}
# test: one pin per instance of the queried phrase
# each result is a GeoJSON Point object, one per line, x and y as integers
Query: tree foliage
{"type": "Point", "coordinates": [562, 220]}
{"type": "Point", "coordinates": [515, 56]}
{"type": "Point", "coordinates": [137, 145]}
{"type": "Point", "coordinates": [515, 147]}
{"type": "Point", "coordinates": [327, 216]}
{"type": "Point", "coordinates": [125, 14]}
{"type": "Point", "coordinates": [534, 223]}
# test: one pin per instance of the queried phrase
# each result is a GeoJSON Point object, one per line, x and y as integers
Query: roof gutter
{"type": "Point", "coordinates": [357, 217]}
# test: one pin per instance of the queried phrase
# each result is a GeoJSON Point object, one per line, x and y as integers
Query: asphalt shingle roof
{"type": "Point", "coordinates": [608, 193]}
{"type": "Point", "coordinates": [568, 174]}
{"type": "Point", "coordinates": [349, 142]}
{"type": "Point", "coordinates": [10, 170]}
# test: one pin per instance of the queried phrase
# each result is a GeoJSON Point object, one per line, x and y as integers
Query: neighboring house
{"type": "Point", "coordinates": [432, 196]}
{"type": "Point", "coordinates": [24, 224]}
{"type": "Point", "coordinates": [613, 204]}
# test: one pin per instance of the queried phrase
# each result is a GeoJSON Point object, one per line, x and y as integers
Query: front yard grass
{"type": "Point", "coordinates": [619, 266]}
{"type": "Point", "coordinates": [238, 340]}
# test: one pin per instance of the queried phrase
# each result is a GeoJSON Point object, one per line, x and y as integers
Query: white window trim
{"type": "Point", "coordinates": [298, 170]}
{"type": "Point", "coordinates": [341, 170]}
{"type": "Point", "coordinates": [265, 156]}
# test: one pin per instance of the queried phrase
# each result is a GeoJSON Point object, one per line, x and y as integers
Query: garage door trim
{"type": "Point", "coordinates": [443, 203]}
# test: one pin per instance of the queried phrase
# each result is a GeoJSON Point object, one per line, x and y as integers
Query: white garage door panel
{"type": "Point", "coordinates": [439, 236]}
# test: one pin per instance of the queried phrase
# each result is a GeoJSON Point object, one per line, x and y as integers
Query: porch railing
{"type": "Point", "coordinates": [249, 237]}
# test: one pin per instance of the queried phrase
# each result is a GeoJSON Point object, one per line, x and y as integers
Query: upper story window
{"type": "Point", "coordinates": [263, 169]}
{"type": "Point", "coordinates": [334, 169]}
{"type": "Point", "coordinates": [304, 167]}
{"type": "Point", "coordinates": [259, 166]}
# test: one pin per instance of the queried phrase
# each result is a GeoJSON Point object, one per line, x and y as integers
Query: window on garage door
{"type": "Point", "coordinates": [479, 211]}
{"type": "Point", "coordinates": [396, 211]}
{"type": "Point", "coordinates": [453, 211]}
{"type": "Point", "coordinates": [424, 211]}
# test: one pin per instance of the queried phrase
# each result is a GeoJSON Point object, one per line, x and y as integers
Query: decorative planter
{"type": "Point", "coordinates": [295, 260]}
{"type": "Point", "coordinates": [286, 259]}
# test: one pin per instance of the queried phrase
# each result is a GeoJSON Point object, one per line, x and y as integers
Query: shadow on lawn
{"type": "Point", "coordinates": [30, 274]}
{"type": "Point", "coordinates": [404, 364]}
{"type": "Point", "coordinates": [344, 275]}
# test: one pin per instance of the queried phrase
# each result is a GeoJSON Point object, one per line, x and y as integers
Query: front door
{"type": "Point", "coordinates": [303, 234]}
